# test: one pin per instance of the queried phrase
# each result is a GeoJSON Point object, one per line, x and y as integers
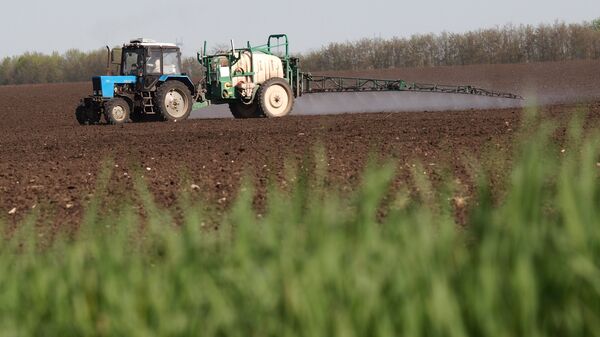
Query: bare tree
{"type": "Point", "coordinates": [507, 44]}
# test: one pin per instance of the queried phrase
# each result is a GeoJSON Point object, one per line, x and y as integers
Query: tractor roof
{"type": "Point", "coordinates": [142, 42]}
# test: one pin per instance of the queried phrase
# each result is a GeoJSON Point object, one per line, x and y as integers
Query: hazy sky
{"type": "Point", "coordinates": [57, 25]}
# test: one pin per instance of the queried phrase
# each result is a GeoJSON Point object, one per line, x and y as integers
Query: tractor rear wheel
{"type": "Point", "coordinates": [173, 101]}
{"type": "Point", "coordinates": [243, 111]}
{"type": "Point", "coordinates": [86, 115]}
{"type": "Point", "coordinates": [276, 98]}
{"type": "Point", "coordinates": [116, 111]}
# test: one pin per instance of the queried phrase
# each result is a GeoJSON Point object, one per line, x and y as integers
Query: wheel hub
{"type": "Point", "coordinates": [118, 113]}
{"type": "Point", "coordinates": [276, 101]}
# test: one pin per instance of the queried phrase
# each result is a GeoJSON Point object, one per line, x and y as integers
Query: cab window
{"type": "Point", "coordinates": [153, 62]}
{"type": "Point", "coordinates": [171, 62]}
{"type": "Point", "coordinates": [131, 62]}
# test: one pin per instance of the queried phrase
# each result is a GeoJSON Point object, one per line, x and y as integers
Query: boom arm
{"type": "Point", "coordinates": [320, 84]}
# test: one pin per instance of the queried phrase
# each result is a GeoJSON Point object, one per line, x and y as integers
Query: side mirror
{"type": "Point", "coordinates": [200, 55]}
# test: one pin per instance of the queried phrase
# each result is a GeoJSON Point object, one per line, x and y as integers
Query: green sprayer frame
{"type": "Point", "coordinates": [219, 87]}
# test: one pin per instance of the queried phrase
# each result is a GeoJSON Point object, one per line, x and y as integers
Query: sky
{"type": "Point", "coordinates": [59, 25]}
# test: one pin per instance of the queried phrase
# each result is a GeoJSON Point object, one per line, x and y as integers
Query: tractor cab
{"type": "Point", "coordinates": [150, 60]}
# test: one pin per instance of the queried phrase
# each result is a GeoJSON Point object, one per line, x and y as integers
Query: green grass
{"type": "Point", "coordinates": [318, 263]}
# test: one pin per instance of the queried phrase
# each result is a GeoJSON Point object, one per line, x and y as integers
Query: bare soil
{"type": "Point", "coordinates": [48, 160]}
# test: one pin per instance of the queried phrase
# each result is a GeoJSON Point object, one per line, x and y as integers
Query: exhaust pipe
{"type": "Point", "coordinates": [108, 62]}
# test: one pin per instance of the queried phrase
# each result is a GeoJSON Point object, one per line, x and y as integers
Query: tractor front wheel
{"type": "Point", "coordinates": [116, 111]}
{"type": "Point", "coordinates": [276, 98]}
{"type": "Point", "coordinates": [86, 115]}
{"type": "Point", "coordinates": [173, 101]}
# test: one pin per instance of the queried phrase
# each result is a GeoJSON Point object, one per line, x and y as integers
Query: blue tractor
{"type": "Point", "coordinates": [150, 83]}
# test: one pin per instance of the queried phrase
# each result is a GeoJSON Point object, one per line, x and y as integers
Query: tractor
{"type": "Point", "coordinates": [150, 82]}
{"type": "Point", "coordinates": [255, 81]}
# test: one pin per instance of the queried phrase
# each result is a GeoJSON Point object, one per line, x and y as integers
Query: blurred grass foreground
{"type": "Point", "coordinates": [317, 263]}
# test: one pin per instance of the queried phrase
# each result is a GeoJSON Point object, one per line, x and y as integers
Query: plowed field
{"type": "Point", "coordinates": [46, 159]}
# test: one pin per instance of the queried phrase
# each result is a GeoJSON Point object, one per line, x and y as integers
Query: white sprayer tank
{"type": "Point", "coordinates": [264, 66]}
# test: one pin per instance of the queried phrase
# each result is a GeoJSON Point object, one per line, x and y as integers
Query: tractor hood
{"type": "Point", "coordinates": [105, 85]}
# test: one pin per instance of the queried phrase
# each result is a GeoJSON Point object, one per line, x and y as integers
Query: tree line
{"type": "Point", "coordinates": [72, 66]}
{"type": "Point", "coordinates": [506, 44]}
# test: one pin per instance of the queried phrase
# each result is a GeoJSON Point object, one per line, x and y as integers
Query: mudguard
{"type": "Point", "coordinates": [181, 78]}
